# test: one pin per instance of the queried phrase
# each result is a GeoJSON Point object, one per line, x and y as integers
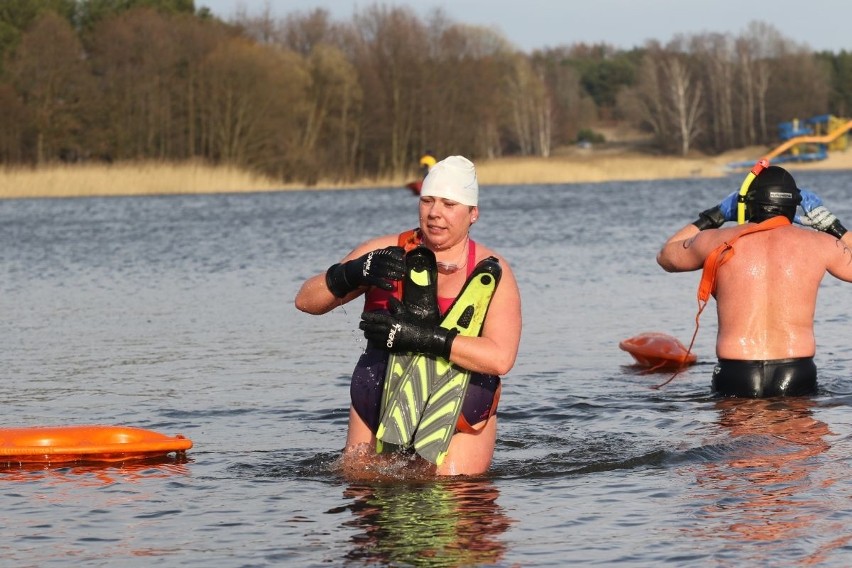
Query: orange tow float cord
{"type": "Point", "coordinates": [711, 266]}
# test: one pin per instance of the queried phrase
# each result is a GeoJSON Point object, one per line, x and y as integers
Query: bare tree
{"type": "Point", "coordinates": [261, 27]}
{"type": "Point", "coordinates": [136, 57]}
{"type": "Point", "coordinates": [668, 99]}
{"type": "Point", "coordinates": [335, 97]}
{"type": "Point", "coordinates": [715, 54]}
{"type": "Point", "coordinates": [572, 108]}
{"type": "Point", "coordinates": [53, 80]}
{"type": "Point", "coordinates": [199, 38]}
{"type": "Point", "coordinates": [531, 108]}
{"type": "Point", "coordinates": [334, 101]}
{"type": "Point", "coordinates": [685, 101]}
{"type": "Point", "coordinates": [645, 103]}
{"type": "Point", "coordinates": [14, 118]}
{"type": "Point", "coordinates": [303, 32]}
{"type": "Point", "coordinates": [757, 47]}
{"type": "Point", "coordinates": [254, 98]}
{"type": "Point", "coordinates": [390, 63]}
{"type": "Point", "coordinates": [471, 98]}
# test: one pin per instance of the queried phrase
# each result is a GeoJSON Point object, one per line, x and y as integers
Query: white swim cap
{"type": "Point", "coordinates": [452, 178]}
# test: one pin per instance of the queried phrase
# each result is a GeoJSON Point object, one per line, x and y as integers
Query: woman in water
{"type": "Point", "coordinates": [448, 208]}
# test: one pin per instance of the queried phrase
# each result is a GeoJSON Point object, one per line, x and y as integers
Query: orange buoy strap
{"type": "Point", "coordinates": [718, 257]}
{"type": "Point", "coordinates": [711, 266]}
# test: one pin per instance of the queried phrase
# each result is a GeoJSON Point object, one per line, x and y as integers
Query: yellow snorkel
{"type": "Point", "coordinates": [758, 167]}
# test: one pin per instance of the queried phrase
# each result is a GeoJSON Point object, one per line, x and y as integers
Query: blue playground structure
{"type": "Point", "coordinates": [807, 140]}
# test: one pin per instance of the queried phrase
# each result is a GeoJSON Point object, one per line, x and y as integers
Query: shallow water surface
{"type": "Point", "coordinates": [176, 314]}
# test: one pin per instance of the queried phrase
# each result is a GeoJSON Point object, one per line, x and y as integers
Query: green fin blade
{"type": "Point", "coordinates": [405, 407]}
{"type": "Point", "coordinates": [423, 394]}
{"type": "Point", "coordinates": [420, 296]}
{"type": "Point", "coordinates": [447, 391]}
{"type": "Point", "coordinates": [441, 414]}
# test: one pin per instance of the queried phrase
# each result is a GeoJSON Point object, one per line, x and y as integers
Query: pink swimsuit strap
{"type": "Point", "coordinates": [445, 303]}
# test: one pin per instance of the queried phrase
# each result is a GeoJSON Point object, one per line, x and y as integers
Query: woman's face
{"type": "Point", "coordinates": [444, 222]}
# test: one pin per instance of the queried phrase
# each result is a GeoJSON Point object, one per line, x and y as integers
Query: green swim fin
{"type": "Point", "coordinates": [420, 296]}
{"type": "Point", "coordinates": [425, 393]}
{"type": "Point", "coordinates": [449, 383]}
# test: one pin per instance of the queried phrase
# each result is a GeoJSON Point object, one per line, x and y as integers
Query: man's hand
{"type": "Point", "coordinates": [817, 216]}
{"type": "Point", "coordinates": [715, 217]}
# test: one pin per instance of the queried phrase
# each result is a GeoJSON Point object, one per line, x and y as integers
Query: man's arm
{"type": "Point", "coordinates": [840, 258]}
{"type": "Point", "coordinates": [680, 254]}
{"type": "Point", "coordinates": [817, 216]}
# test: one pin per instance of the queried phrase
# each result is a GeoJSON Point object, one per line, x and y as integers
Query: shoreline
{"type": "Point", "coordinates": [573, 166]}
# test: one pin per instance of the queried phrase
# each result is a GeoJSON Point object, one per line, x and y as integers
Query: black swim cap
{"type": "Point", "coordinates": [773, 192]}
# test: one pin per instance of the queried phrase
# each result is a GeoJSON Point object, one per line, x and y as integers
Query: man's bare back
{"type": "Point", "coordinates": [766, 292]}
{"type": "Point", "coordinates": [766, 289]}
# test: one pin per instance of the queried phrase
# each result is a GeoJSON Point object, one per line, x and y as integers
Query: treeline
{"type": "Point", "coordinates": [304, 97]}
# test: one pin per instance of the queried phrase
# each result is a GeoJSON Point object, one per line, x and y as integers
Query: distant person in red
{"type": "Point", "coordinates": [427, 160]}
{"type": "Point", "coordinates": [765, 275]}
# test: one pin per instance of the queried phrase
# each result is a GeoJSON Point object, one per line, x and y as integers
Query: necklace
{"type": "Point", "coordinates": [450, 267]}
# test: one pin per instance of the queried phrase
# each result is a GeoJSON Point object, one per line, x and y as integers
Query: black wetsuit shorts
{"type": "Point", "coordinates": [368, 381]}
{"type": "Point", "coordinates": [764, 379]}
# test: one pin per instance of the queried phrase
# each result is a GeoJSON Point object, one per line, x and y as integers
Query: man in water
{"type": "Point", "coordinates": [765, 283]}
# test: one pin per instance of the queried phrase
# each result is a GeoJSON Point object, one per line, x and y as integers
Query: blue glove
{"type": "Point", "coordinates": [810, 201]}
{"type": "Point", "coordinates": [729, 206]}
{"type": "Point", "coordinates": [715, 217]}
{"type": "Point", "coordinates": [817, 216]}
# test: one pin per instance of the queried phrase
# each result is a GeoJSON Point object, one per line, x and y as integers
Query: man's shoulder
{"type": "Point", "coordinates": [800, 233]}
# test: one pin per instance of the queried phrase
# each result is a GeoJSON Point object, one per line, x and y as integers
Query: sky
{"type": "Point", "coordinates": [536, 24]}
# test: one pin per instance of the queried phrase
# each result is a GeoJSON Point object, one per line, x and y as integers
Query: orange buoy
{"type": "Point", "coordinates": [658, 350]}
{"type": "Point", "coordinates": [60, 444]}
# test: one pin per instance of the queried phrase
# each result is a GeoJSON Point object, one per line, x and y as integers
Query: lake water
{"type": "Point", "coordinates": [176, 314]}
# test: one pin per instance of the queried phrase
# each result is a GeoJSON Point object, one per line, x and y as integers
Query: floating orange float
{"type": "Point", "coordinates": [658, 351]}
{"type": "Point", "coordinates": [61, 444]}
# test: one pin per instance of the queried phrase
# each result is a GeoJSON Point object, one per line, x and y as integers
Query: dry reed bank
{"type": "Point", "coordinates": [151, 178]}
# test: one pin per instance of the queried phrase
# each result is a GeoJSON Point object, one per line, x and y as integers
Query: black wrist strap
{"type": "Point", "coordinates": [836, 229]}
{"type": "Point", "coordinates": [448, 343]}
{"type": "Point", "coordinates": [710, 219]}
{"type": "Point", "coordinates": [335, 279]}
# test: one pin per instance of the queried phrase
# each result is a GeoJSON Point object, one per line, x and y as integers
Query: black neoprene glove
{"type": "Point", "coordinates": [715, 217]}
{"type": "Point", "coordinates": [398, 332]}
{"type": "Point", "coordinates": [712, 218]}
{"type": "Point", "coordinates": [376, 268]}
